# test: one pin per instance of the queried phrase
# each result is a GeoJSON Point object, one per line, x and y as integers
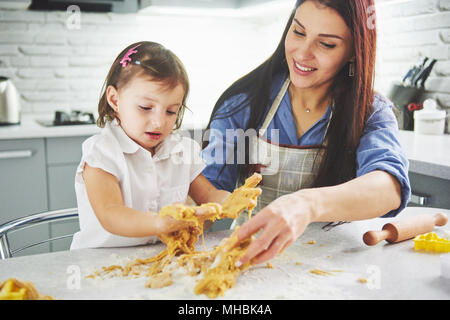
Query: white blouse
{"type": "Point", "coordinates": [147, 183]}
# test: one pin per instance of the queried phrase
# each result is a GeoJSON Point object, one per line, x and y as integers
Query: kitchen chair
{"type": "Point", "coordinates": [29, 221]}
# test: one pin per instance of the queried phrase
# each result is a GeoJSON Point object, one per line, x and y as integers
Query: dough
{"type": "Point", "coordinates": [160, 280]}
{"type": "Point", "coordinates": [13, 289]}
{"type": "Point", "coordinates": [222, 275]}
{"type": "Point", "coordinates": [320, 272]}
{"type": "Point", "coordinates": [218, 265]}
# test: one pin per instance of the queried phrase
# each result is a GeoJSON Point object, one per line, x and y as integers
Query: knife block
{"type": "Point", "coordinates": [402, 96]}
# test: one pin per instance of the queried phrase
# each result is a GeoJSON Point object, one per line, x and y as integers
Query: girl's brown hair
{"type": "Point", "coordinates": [152, 60]}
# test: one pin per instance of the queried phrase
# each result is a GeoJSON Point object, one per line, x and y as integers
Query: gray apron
{"type": "Point", "coordinates": [284, 168]}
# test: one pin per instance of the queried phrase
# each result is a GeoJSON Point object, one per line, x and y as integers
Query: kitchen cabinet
{"type": "Point", "coordinates": [23, 187]}
{"type": "Point", "coordinates": [37, 175]}
{"type": "Point", "coordinates": [429, 168]}
{"type": "Point", "coordinates": [63, 157]}
{"type": "Point", "coordinates": [429, 191]}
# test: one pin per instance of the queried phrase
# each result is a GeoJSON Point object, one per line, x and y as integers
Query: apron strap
{"type": "Point", "coordinates": [325, 141]}
{"type": "Point", "coordinates": [274, 107]}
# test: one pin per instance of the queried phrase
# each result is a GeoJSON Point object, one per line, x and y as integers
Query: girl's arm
{"type": "Point", "coordinates": [105, 196]}
{"type": "Point", "coordinates": [285, 219]}
{"type": "Point", "coordinates": [203, 191]}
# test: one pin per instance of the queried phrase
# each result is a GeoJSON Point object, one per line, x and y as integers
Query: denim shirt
{"type": "Point", "coordinates": [379, 147]}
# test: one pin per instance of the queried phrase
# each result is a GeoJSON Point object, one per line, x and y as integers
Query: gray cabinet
{"type": "Point", "coordinates": [23, 188]}
{"type": "Point", "coordinates": [63, 157]}
{"type": "Point", "coordinates": [429, 191]}
{"type": "Point", "coordinates": [37, 175]}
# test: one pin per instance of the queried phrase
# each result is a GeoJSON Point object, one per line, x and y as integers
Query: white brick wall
{"type": "Point", "coordinates": [409, 30]}
{"type": "Point", "coordinates": [57, 68]}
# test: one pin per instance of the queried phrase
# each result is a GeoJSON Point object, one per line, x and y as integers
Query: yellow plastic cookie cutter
{"type": "Point", "coordinates": [431, 242]}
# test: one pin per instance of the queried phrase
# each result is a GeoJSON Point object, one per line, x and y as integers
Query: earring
{"type": "Point", "coordinates": [351, 69]}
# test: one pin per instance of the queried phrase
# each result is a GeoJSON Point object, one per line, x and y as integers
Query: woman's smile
{"type": "Point", "coordinates": [302, 69]}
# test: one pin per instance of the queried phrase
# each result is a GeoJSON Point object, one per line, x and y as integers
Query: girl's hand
{"type": "Point", "coordinates": [206, 212]}
{"type": "Point", "coordinates": [168, 224]}
{"type": "Point", "coordinates": [283, 221]}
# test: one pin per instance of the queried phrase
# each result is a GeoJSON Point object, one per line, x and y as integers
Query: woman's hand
{"type": "Point", "coordinates": [282, 221]}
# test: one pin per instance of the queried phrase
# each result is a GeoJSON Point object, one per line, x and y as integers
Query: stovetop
{"type": "Point", "coordinates": [75, 117]}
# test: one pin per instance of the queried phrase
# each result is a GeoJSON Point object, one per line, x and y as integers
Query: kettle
{"type": "Point", "coordinates": [9, 103]}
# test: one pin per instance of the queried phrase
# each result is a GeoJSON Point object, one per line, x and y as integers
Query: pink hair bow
{"type": "Point", "coordinates": [126, 57]}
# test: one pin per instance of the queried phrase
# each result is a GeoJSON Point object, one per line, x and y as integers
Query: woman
{"type": "Point", "coordinates": [338, 154]}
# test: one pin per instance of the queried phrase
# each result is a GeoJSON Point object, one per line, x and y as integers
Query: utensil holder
{"type": "Point", "coordinates": [402, 96]}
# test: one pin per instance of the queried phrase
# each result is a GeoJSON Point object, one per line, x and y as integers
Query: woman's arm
{"type": "Point", "coordinates": [380, 189]}
{"type": "Point", "coordinates": [368, 196]}
{"type": "Point", "coordinates": [286, 218]}
{"type": "Point", "coordinates": [105, 196]}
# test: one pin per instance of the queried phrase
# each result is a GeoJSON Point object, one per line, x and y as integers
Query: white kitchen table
{"type": "Point", "coordinates": [392, 271]}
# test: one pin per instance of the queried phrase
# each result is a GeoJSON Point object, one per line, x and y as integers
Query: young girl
{"type": "Point", "coordinates": [136, 165]}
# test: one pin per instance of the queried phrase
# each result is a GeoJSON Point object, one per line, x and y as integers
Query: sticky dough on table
{"type": "Point", "coordinates": [218, 265]}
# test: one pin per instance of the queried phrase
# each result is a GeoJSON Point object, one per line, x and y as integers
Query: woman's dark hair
{"type": "Point", "coordinates": [152, 60]}
{"type": "Point", "coordinates": [352, 96]}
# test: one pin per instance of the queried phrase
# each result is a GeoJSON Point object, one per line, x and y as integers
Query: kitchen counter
{"type": "Point", "coordinates": [29, 128]}
{"type": "Point", "coordinates": [392, 271]}
{"type": "Point", "coordinates": [428, 154]}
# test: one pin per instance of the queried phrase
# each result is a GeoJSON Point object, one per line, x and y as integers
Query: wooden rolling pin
{"type": "Point", "coordinates": [405, 229]}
